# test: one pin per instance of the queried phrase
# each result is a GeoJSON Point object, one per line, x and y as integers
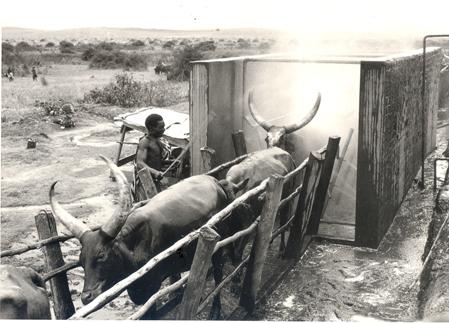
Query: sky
{"type": "Point", "coordinates": [429, 16]}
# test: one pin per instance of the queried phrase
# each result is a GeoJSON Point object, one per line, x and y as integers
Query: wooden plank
{"type": "Point", "coordinates": [123, 131]}
{"type": "Point", "coordinates": [62, 300]}
{"type": "Point", "coordinates": [198, 106]}
{"type": "Point", "coordinates": [304, 209]}
{"type": "Point", "coordinates": [207, 155]}
{"type": "Point", "coordinates": [253, 277]}
{"type": "Point", "coordinates": [323, 185]}
{"type": "Point", "coordinates": [126, 160]}
{"type": "Point", "coordinates": [198, 272]}
{"type": "Point", "coordinates": [238, 139]}
{"type": "Point", "coordinates": [146, 188]}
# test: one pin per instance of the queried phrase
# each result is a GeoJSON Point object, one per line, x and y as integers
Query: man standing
{"type": "Point", "coordinates": [34, 73]}
{"type": "Point", "coordinates": [150, 151]}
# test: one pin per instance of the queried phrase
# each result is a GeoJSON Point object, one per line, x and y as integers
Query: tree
{"type": "Point", "coordinates": [180, 69]}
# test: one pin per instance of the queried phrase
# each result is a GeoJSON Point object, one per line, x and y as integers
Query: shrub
{"type": "Point", "coordinates": [264, 46]}
{"type": "Point", "coordinates": [88, 54]}
{"type": "Point", "coordinates": [50, 44]}
{"type": "Point", "coordinates": [206, 45]}
{"type": "Point", "coordinates": [109, 46]}
{"type": "Point", "coordinates": [118, 59]}
{"type": "Point", "coordinates": [66, 47]}
{"type": "Point", "coordinates": [242, 43]}
{"type": "Point", "coordinates": [7, 47]}
{"type": "Point", "coordinates": [180, 69]}
{"type": "Point", "coordinates": [127, 92]}
{"type": "Point", "coordinates": [169, 44]}
{"type": "Point", "coordinates": [138, 43]}
{"type": "Point", "coordinates": [24, 46]}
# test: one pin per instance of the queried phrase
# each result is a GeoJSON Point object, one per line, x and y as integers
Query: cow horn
{"type": "Point", "coordinates": [254, 113]}
{"type": "Point", "coordinates": [75, 226]}
{"type": "Point", "coordinates": [293, 127]}
{"type": "Point", "coordinates": [113, 226]}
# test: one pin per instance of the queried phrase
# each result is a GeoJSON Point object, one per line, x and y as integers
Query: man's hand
{"type": "Point", "coordinates": [159, 175]}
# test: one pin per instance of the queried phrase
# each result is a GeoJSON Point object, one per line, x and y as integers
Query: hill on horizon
{"type": "Point", "coordinates": [107, 33]}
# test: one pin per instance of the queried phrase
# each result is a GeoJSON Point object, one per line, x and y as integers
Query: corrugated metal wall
{"type": "Point", "coordinates": [390, 134]}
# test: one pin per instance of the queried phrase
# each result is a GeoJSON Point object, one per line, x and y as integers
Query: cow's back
{"type": "Point", "coordinates": [22, 294]}
{"type": "Point", "coordinates": [260, 165]}
{"type": "Point", "coordinates": [179, 209]}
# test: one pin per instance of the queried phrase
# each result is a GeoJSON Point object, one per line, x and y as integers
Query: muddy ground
{"type": "Point", "coordinates": [335, 282]}
{"type": "Point", "coordinates": [331, 282]}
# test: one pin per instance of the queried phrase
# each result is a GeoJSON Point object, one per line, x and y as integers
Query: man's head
{"type": "Point", "coordinates": [155, 125]}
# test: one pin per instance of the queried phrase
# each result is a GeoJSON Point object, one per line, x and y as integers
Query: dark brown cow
{"type": "Point", "coordinates": [22, 294]}
{"type": "Point", "coordinates": [130, 239]}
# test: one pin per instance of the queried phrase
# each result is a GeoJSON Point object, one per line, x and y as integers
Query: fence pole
{"type": "Point", "coordinates": [238, 139]}
{"type": "Point", "coordinates": [62, 300]}
{"type": "Point", "coordinates": [207, 240]}
{"type": "Point", "coordinates": [253, 274]}
{"type": "Point", "coordinates": [206, 159]}
{"type": "Point", "coordinates": [323, 185]}
{"type": "Point", "coordinates": [304, 209]}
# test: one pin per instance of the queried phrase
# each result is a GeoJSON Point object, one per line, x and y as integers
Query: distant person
{"type": "Point", "coordinates": [10, 74]}
{"type": "Point", "coordinates": [34, 73]}
{"type": "Point", "coordinates": [150, 151]}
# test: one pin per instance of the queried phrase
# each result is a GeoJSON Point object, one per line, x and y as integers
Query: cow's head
{"type": "Point", "coordinates": [276, 134]}
{"type": "Point", "coordinates": [100, 257]}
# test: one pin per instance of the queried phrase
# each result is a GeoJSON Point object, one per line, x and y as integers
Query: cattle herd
{"type": "Point", "coordinates": [134, 235]}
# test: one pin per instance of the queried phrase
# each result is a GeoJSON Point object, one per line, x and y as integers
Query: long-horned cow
{"type": "Point", "coordinates": [131, 238]}
{"type": "Point", "coordinates": [22, 294]}
{"type": "Point", "coordinates": [267, 162]}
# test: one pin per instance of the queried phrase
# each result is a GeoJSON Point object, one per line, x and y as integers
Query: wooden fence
{"type": "Point", "coordinates": [307, 201]}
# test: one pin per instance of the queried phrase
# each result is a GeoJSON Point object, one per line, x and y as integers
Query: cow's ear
{"type": "Point", "coordinates": [240, 186]}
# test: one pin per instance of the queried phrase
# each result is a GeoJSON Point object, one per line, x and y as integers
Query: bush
{"type": "Point", "coordinates": [127, 92]}
{"type": "Point", "coordinates": [88, 54]}
{"type": "Point", "coordinates": [206, 45]}
{"type": "Point", "coordinates": [264, 46]}
{"type": "Point", "coordinates": [180, 69]}
{"type": "Point", "coordinates": [109, 46]}
{"type": "Point", "coordinates": [242, 43]}
{"type": "Point", "coordinates": [66, 47]}
{"type": "Point", "coordinates": [118, 59]}
{"type": "Point", "coordinates": [138, 43]}
{"type": "Point", "coordinates": [169, 44]}
{"type": "Point", "coordinates": [50, 44]}
{"type": "Point", "coordinates": [24, 46]}
{"type": "Point", "coordinates": [7, 47]}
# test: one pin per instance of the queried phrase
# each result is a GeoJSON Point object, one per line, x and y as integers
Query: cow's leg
{"type": "Point", "coordinates": [141, 290]}
{"type": "Point", "coordinates": [217, 263]}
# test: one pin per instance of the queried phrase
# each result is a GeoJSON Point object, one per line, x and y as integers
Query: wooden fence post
{"type": "Point", "coordinates": [238, 139]}
{"type": "Point", "coordinates": [295, 242]}
{"type": "Point", "coordinates": [119, 151]}
{"type": "Point", "coordinates": [207, 240]}
{"type": "Point", "coordinates": [206, 159]}
{"type": "Point", "coordinates": [62, 300]}
{"type": "Point", "coordinates": [323, 185]}
{"type": "Point", "coordinates": [253, 274]}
